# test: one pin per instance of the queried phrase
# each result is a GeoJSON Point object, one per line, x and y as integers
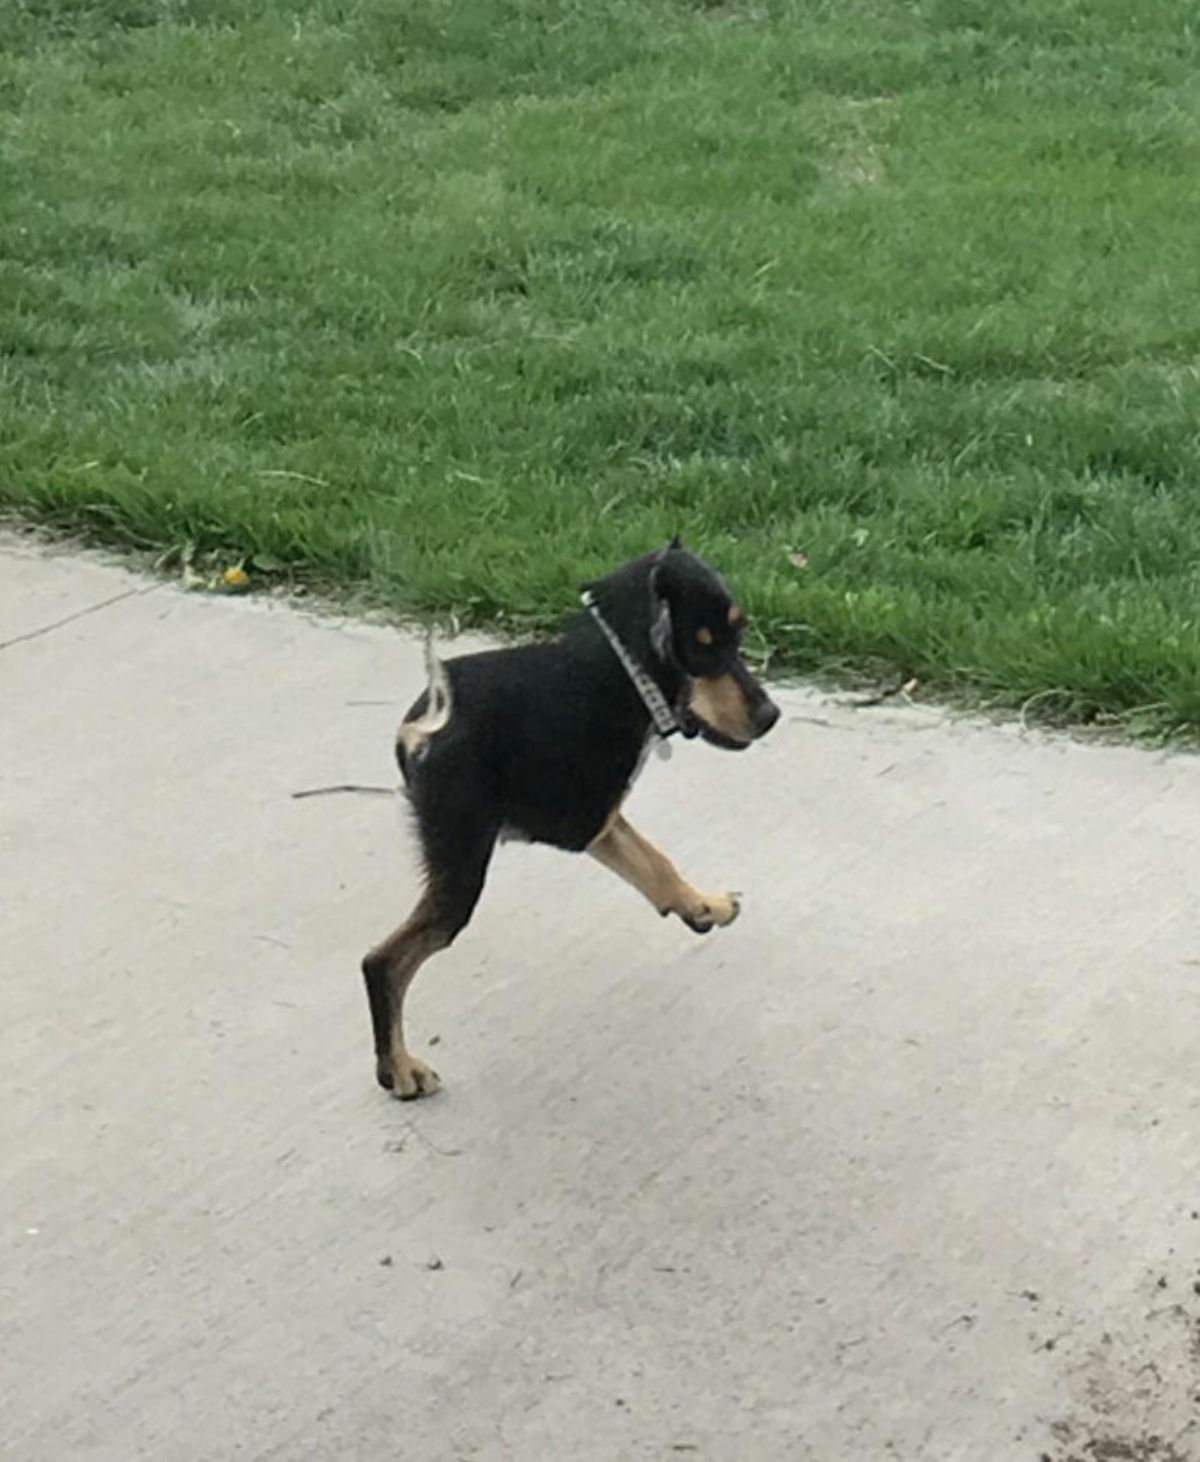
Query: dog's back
{"type": "Point", "coordinates": [548, 736]}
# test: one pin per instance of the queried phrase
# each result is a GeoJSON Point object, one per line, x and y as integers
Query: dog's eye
{"type": "Point", "coordinates": [704, 635]}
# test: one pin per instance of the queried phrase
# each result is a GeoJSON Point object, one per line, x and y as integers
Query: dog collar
{"type": "Point", "coordinates": [663, 717]}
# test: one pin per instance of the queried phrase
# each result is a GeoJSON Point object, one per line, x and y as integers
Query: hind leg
{"type": "Point", "coordinates": [388, 970]}
{"type": "Point", "coordinates": [456, 871]}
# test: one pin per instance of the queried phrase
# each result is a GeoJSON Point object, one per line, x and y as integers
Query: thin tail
{"type": "Point", "coordinates": [413, 735]}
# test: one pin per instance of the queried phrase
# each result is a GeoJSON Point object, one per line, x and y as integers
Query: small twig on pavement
{"type": "Point", "coordinates": [344, 787]}
{"type": "Point", "coordinates": [966, 1319]}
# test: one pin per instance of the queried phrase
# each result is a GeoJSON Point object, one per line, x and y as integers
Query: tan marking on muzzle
{"type": "Point", "coordinates": [719, 703]}
{"type": "Point", "coordinates": [737, 617]}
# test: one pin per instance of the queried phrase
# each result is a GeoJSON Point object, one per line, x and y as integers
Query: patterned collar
{"type": "Point", "coordinates": [663, 717]}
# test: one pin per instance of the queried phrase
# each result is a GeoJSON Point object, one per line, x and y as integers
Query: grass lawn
{"type": "Point", "coordinates": [454, 302]}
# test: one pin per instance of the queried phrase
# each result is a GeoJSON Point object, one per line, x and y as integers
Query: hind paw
{"type": "Point", "coordinates": [407, 1078]}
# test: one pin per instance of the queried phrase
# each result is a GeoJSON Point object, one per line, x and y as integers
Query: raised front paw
{"type": "Point", "coordinates": [710, 911]}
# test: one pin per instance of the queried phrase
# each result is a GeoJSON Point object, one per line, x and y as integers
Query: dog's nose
{"type": "Point", "coordinates": [766, 713]}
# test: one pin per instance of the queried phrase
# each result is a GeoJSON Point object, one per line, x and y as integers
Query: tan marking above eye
{"type": "Point", "coordinates": [737, 617]}
{"type": "Point", "coordinates": [704, 635]}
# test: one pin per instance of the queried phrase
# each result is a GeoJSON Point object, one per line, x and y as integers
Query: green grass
{"type": "Point", "coordinates": [452, 304]}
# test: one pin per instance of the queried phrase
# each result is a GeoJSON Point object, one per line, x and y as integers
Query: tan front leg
{"type": "Point", "coordinates": [624, 850]}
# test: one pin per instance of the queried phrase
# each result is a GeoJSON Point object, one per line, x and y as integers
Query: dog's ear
{"type": "Point", "coordinates": [676, 542]}
{"type": "Point", "coordinates": [661, 629]}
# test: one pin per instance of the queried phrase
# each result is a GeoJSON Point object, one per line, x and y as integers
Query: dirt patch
{"type": "Point", "coordinates": [1136, 1394]}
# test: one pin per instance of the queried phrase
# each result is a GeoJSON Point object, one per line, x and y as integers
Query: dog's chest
{"type": "Point", "coordinates": [512, 832]}
{"type": "Point", "coordinates": [639, 767]}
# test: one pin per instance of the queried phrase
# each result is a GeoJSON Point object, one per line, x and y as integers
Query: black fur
{"type": "Point", "coordinates": [542, 741]}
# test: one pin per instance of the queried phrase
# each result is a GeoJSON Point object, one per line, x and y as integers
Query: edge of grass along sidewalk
{"type": "Point", "coordinates": [893, 314]}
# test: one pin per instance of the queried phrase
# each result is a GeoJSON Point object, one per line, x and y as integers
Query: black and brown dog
{"type": "Point", "coordinates": [543, 742]}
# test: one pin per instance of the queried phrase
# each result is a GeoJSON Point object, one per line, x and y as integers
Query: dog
{"type": "Point", "coordinates": [542, 743]}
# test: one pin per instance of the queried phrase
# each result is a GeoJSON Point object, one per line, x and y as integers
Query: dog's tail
{"type": "Point", "coordinates": [413, 735]}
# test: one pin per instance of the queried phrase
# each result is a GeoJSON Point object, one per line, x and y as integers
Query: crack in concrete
{"type": "Point", "coordinates": [46, 629]}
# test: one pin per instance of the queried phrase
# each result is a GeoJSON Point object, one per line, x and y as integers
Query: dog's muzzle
{"type": "Point", "coordinates": [762, 718]}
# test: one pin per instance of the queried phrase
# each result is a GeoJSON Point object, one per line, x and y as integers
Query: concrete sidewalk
{"type": "Point", "coordinates": [904, 1165]}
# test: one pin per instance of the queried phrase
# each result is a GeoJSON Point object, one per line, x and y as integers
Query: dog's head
{"type": "Point", "coordinates": [697, 625]}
